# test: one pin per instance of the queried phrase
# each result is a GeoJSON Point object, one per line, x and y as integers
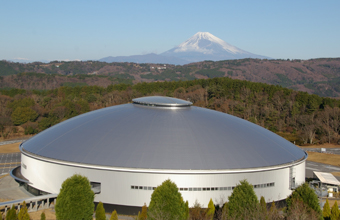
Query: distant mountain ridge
{"type": "Point", "coordinates": [200, 47]}
{"type": "Point", "coordinates": [315, 76]}
{"type": "Point", "coordinates": [147, 58]}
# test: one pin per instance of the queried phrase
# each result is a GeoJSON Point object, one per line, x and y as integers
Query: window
{"type": "Point", "coordinates": [96, 187]}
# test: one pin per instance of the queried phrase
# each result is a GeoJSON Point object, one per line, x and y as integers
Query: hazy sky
{"type": "Point", "coordinates": [68, 30]}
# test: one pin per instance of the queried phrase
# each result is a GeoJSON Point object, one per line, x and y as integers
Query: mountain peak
{"type": "Point", "coordinates": [205, 42]}
{"type": "Point", "coordinates": [205, 46]}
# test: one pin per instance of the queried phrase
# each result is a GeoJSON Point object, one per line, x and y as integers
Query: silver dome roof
{"type": "Point", "coordinates": [155, 137]}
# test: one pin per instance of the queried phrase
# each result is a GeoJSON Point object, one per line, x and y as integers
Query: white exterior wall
{"type": "Point", "coordinates": [116, 185]}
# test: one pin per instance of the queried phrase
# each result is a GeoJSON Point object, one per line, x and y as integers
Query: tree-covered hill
{"type": "Point", "coordinates": [298, 116]}
{"type": "Point", "coordinates": [316, 76]}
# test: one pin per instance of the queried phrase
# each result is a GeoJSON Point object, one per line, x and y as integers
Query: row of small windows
{"type": "Point", "coordinates": [264, 185]}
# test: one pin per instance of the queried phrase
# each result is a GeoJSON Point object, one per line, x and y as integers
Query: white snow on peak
{"type": "Point", "coordinates": [192, 44]}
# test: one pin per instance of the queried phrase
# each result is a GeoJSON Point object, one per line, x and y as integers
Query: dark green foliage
{"type": "Point", "coordinates": [166, 202]}
{"type": "Point", "coordinates": [47, 122]}
{"type": "Point", "coordinates": [100, 212]}
{"type": "Point", "coordinates": [307, 196]}
{"type": "Point", "coordinates": [23, 213]}
{"type": "Point", "coordinates": [298, 69]}
{"type": "Point", "coordinates": [30, 130]}
{"type": "Point", "coordinates": [243, 201]}
{"type": "Point", "coordinates": [22, 115]}
{"type": "Point", "coordinates": [74, 84]}
{"type": "Point", "coordinates": [11, 214]}
{"type": "Point", "coordinates": [25, 102]}
{"type": "Point", "coordinates": [282, 80]}
{"type": "Point", "coordinates": [6, 69]}
{"type": "Point", "coordinates": [12, 92]}
{"type": "Point", "coordinates": [211, 73]}
{"type": "Point", "coordinates": [75, 200]}
{"type": "Point", "coordinates": [43, 216]}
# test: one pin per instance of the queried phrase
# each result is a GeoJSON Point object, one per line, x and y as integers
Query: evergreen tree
{"type": "Point", "coordinates": [11, 214]}
{"type": "Point", "coordinates": [75, 199]}
{"type": "Point", "coordinates": [166, 202]}
{"type": "Point", "coordinates": [114, 215]}
{"type": "Point", "coordinates": [335, 213]}
{"type": "Point", "coordinates": [307, 196]}
{"type": "Point", "coordinates": [23, 213]}
{"type": "Point", "coordinates": [263, 205]}
{"type": "Point", "coordinates": [210, 210]}
{"type": "Point", "coordinates": [326, 211]}
{"type": "Point", "coordinates": [100, 212]}
{"type": "Point", "coordinates": [243, 201]}
{"type": "Point", "coordinates": [43, 216]}
{"type": "Point", "coordinates": [23, 114]}
{"type": "Point", "coordinates": [143, 215]}
{"type": "Point", "coordinates": [186, 210]}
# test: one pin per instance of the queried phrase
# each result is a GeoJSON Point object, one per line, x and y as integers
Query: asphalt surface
{"type": "Point", "coordinates": [8, 162]}
{"type": "Point", "coordinates": [328, 150]}
{"type": "Point", "coordinates": [320, 167]}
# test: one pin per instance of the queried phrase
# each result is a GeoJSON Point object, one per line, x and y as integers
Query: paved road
{"type": "Point", "coordinates": [313, 166]}
{"type": "Point", "coordinates": [8, 162]}
{"type": "Point", "coordinates": [328, 150]}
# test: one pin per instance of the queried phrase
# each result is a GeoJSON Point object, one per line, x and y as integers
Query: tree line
{"type": "Point", "coordinates": [76, 201]}
{"type": "Point", "coordinates": [298, 116]}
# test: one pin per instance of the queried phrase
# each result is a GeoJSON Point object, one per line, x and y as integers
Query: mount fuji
{"type": "Point", "coordinates": [205, 46]}
{"type": "Point", "coordinates": [202, 46]}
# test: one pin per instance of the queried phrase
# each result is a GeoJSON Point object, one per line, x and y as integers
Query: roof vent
{"type": "Point", "coordinates": [161, 101]}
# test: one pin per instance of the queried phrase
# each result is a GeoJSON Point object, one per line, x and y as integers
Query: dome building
{"type": "Point", "coordinates": [128, 150]}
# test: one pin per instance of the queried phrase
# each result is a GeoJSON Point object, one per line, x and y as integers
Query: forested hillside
{"type": "Point", "coordinates": [297, 116]}
{"type": "Point", "coordinates": [316, 76]}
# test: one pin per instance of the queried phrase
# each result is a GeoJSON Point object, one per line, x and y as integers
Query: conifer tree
{"type": "Point", "coordinates": [335, 213]}
{"type": "Point", "coordinates": [166, 202]}
{"type": "Point", "coordinates": [100, 212]}
{"type": "Point", "coordinates": [307, 196]}
{"type": "Point", "coordinates": [23, 213]}
{"type": "Point", "coordinates": [75, 200]}
{"type": "Point", "coordinates": [186, 210]}
{"type": "Point", "coordinates": [243, 201]}
{"type": "Point", "coordinates": [43, 216]}
{"type": "Point", "coordinates": [210, 210]}
{"type": "Point", "coordinates": [143, 215]}
{"type": "Point", "coordinates": [114, 215]}
{"type": "Point", "coordinates": [263, 206]}
{"type": "Point", "coordinates": [11, 214]}
{"type": "Point", "coordinates": [326, 211]}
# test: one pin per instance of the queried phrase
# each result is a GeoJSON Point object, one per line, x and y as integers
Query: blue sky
{"type": "Point", "coordinates": [69, 30]}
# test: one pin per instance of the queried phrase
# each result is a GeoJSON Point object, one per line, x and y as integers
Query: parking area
{"type": "Point", "coordinates": [8, 162]}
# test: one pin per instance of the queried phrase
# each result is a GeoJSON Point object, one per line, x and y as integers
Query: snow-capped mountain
{"type": "Point", "coordinates": [205, 46]}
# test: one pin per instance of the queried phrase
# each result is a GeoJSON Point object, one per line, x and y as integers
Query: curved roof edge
{"type": "Point", "coordinates": [172, 171]}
